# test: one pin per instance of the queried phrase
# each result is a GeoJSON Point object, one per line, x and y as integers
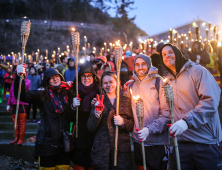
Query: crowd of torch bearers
{"type": "Point", "coordinates": [173, 38]}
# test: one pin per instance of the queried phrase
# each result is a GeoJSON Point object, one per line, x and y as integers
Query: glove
{"type": "Point", "coordinates": [99, 104]}
{"type": "Point", "coordinates": [173, 135]}
{"type": "Point", "coordinates": [93, 102]}
{"type": "Point", "coordinates": [21, 69]}
{"type": "Point", "coordinates": [143, 134]}
{"type": "Point", "coordinates": [8, 108]}
{"type": "Point", "coordinates": [98, 113]}
{"type": "Point", "coordinates": [198, 59]}
{"type": "Point", "coordinates": [178, 128]}
{"type": "Point", "coordinates": [118, 120]}
{"type": "Point", "coordinates": [76, 102]}
{"type": "Point", "coordinates": [126, 84]}
{"type": "Point", "coordinates": [69, 84]}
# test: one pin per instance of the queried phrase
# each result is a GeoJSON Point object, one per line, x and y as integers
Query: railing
{"type": "Point", "coordinates": [60, 23]}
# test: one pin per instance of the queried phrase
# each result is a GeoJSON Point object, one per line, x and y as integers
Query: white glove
{"type": "Point", "coordinates": [118, 121]}
{"type": "Point", "coordinates": [93, 102]}
{"type": "Point", "coordinates": [179, 127]}
{"type": "Point", "coordinates": [98, 113]}
{"type": "Point", "coordinates": [144, 133]}
{"type": "Point", "coordinates": [76, 102]}
{"type": "Point", "coordinates": [198, 61]}
{"type": "Point", "coordinates": [198, 57]}
{"type": "Point", "coordinates": [69, 83]}
{"type": "Point", "coordinates": [21, 69]}
{"type": "Point", "coordinates": [8, 108]}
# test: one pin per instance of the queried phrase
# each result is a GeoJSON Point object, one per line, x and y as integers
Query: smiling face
{"type": "Point", "coordinates": [169, 58]}
{"type": "Point", "coordinates": [55, 80]}
{"type": "Point", "coordinates": [109, 84]}
{"type": "Point", "coordinates": [87, 79]}
{"type": "Point", "coordinates": [141, 68]}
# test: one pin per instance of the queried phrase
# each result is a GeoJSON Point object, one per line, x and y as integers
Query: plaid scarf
{"type": "Point", "coordinates": [55, 101]}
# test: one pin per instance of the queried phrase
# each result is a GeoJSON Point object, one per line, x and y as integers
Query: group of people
{"type": "Point", "coordinates": [196, 99]}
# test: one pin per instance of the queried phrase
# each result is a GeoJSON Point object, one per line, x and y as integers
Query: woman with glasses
{"type": "Point", "coordinates": [102, 122]}
{"type": "Point", "coordinates": [88, 88]}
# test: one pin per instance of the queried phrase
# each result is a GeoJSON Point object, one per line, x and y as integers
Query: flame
{"type": "Point", "coordinates": [136, 98]}
{"type": "Point", "coordinates": [73, 29]}
{"type": "Point", "coordinates": [165, 80]}
{"type": "Point", "coordinates": [131, 91]}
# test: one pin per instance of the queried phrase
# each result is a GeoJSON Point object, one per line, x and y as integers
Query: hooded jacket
{"type": "Point", "coordinates": [156, 113]}
{"type": "Point", "coordinates": [83, 144]}
{"type": "Point", "coordinates": [12, 100]}
{"type": "Point", "coordinates": [70, 74]}
{"type": "Point", "coordinates": [196, 100]}
{"type": "Point", "coordinates": [36, 81]}
{"type": "Point", "coordinates": [49, 137]}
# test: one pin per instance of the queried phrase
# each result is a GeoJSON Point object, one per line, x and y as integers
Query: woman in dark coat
{"type": "Point", "coordinates": [102, 121]}
{"type": "Point", "coordinates": [54, 103]}
{"type": "Point", "coordinates": [88, 87]}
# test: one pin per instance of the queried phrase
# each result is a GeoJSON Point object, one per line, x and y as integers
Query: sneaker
{"type": "Point", "coordinates": [34, 121]}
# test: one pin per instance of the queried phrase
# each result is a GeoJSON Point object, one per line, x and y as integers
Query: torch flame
{"type": "Point", "coordinates": [73, 29]}
{"type": "Point", "coordinates": [136, 98]}
{"type": "Point", "coordinates": [165, 80]}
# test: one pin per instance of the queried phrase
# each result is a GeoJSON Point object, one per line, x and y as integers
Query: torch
{"type": "Point", "coordinates": [140, 114]}
{"type": "Point", "coordinates": [215, 30]}
{"type": "Point", "coordinates": [118, 60]}
{"type": "Point", "coordinates": [105, 47]}
{"type": "Point", "coordinates": [197, 33]}
{"type": "Point", "coordinates": [85, 41]}
{"type": "Point", "coordinates": [75, 42]}
{"type": "Point", "coordinates": [207, 34]}
{"type": "Point", "coordinates": [46, 53]}
{"type": "Point", "coordinates": [168, 93]}
{"type": "Point", "coordinates": [25, 30]}
{"type": "Point", "coordinates": [171, 36]}
{"type": "Point", "coordinates": [176, 36]}
{"type": "Point", "coordinates": [217, 40]}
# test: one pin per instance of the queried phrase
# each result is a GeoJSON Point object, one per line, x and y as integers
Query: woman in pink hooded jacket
{"type": "Point", "coordinates": [21, 123]}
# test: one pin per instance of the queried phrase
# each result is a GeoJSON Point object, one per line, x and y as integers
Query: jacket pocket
{"type": "Point", "coordinates": [100, 154]}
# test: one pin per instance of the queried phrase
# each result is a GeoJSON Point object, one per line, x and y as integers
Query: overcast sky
{"type": "Point", "coordinates": [157, 16]}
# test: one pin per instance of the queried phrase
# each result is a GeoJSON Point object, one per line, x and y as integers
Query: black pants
{"type": "Point", "coordinates": [34, 110]}
{"type": "Point", "coordinates": [7, 85]}
{"type": "Point", "coordinates": [61, 158]}
{"type": "Point", "coordinates": [195, 156]}
{"type": "Point", "coordinates": [156, 156]}
{"type": "Point", "coordinates": [22, 109]}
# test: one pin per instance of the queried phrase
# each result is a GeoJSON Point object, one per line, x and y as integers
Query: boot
{"type": "Point", "coordinates": [47, 168]}
{"type": "Point", "coordinates": [77, 167]}
{"type": "Point", "coordinates": [16, 131]}
{"type": "Point", "coordinates": [62, 167]}
{"type": "Point", "coordinates": [4, 93]}
{"type": "Point", "coordinates": [22, 127]}
{"type": "Point", "coordinates": [141, 168]}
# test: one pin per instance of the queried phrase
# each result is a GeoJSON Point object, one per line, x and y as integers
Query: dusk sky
{"type": "Point", "coordinates": [157, 16]}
